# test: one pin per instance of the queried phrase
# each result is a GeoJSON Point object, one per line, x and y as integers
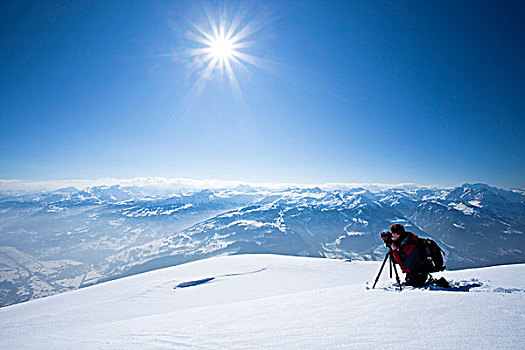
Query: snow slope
{"type": "Point", "coordinates": [271, 301]}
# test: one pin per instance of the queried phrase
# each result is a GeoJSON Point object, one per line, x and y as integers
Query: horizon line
{"type": "Point", "coordinates": [160, 182]}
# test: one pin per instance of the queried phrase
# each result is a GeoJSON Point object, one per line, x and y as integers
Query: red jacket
{"type": "Point", "coordinates": [407, 255]}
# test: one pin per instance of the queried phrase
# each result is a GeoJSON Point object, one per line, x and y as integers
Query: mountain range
{"type": "Point", "coordinates": [69, 238]}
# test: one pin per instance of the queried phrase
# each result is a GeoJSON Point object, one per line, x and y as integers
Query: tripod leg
{"type": "Point", "coordinates": [395, 270]}
{"type": "Point", "coordinates": [391, 264]}
{"type": "Point", "coordinates": [380, 270]}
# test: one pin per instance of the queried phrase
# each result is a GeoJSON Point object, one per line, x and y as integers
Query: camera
{"type": "Point", "coordinates": [387, 238]}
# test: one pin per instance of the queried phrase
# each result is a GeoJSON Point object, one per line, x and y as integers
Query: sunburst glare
{"type": "Point", "coordinates": [219, 46]}
{"type": "Point", "coordinates": [222, 48]}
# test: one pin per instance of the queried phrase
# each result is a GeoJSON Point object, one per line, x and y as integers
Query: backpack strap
{"type": "Point", "coordinates": [429, 255]}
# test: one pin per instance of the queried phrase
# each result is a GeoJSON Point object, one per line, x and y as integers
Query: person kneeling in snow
{"type": "Point", "coordinates": [408, 256]}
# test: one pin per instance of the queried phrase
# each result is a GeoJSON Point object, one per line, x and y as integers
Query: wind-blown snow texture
{"type": "Point", "coordinates": [267, 302]}
{"type": "Point", "coordinates": [66, 239]}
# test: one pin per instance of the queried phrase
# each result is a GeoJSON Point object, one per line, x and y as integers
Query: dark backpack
{"type": "Point", "coordinates": [432, 254]}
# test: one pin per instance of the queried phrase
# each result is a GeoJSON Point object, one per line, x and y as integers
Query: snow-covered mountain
{"type": "Point", "coordinates": [71, 238]}
{"type": "Point", "coordinates": [295, 222]}
{"type": "Point", "coordinates": [275, 302]}
{"type": "Point", "coordinates": [53, 241]}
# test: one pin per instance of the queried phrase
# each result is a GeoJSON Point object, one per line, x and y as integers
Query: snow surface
{"type": "Point", "coordinates": [271, 301]}
{"type": "Point", "coordinates": [463, 208]}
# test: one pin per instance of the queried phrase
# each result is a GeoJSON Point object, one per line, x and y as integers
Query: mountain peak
{"type": "Point", "coordinates": [66, 190]}
{"type": "Point", "coordinates": [477, 186]}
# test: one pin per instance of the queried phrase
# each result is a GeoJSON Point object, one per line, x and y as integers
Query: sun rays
{"type": "Point", "coordinates": [219, 47]}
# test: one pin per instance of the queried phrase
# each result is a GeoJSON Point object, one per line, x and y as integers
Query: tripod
{"type": "Point", "coordinates": [392, 265]}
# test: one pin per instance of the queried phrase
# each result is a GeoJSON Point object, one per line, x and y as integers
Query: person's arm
{"type": "Point", "coordinates": [397, 255]}
{"type": "Point", "coordinates": [410, 256]}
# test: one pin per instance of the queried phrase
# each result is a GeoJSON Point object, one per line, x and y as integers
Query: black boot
{"type": "Point", "coordinates": [442, 282]}
{"type": "Point", "coordinates": [416, 279]}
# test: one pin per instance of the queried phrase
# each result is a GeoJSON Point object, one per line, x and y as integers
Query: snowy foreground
{"type": "Point", "coordinates": [270, 301]}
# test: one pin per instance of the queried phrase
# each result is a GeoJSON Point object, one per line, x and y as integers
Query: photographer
{"type": "Point", "coordinates": [406, 254]}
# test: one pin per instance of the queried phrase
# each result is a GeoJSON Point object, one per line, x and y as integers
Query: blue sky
{"type": "Point", "coordinates": [343, 91]}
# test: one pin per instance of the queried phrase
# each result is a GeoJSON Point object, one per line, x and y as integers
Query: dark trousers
{"type": "Point", "coordinates": [416, 279]}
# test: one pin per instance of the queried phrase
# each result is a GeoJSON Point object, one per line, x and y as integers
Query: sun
{"type": "Point", "coordinates": [222, 48]}
{"type": "Point", "coordinates": [221, 43]}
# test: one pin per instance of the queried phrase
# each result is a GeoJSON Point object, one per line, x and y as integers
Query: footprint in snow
{"type": "Point", "coordinates": [206, 280]}
{"type": "Point", "coordinates": [193, 283]}
{"type": "Point", "coordinates": [472, 285]}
